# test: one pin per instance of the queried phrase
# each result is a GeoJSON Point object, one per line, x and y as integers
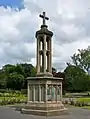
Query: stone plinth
{"type": "Point", "coordinates": [52, 110]}
{"type": "Point", "coordinates": [44, 96]}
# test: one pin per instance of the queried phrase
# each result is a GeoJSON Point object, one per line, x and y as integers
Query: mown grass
{"type": "Point", "coordinates": [87, 100]}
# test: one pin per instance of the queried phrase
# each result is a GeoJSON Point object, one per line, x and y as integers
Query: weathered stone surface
{"type": "Point", "coordinates": [50, 112]}
{"type": "Point", "coordinates": [45, 109]}
{"type": "Point", "coordinates": [44, 30]}
{"type": "Point", "coordinates": [74, 113]}
{"type": "Point", "coordinates": [44, 80]}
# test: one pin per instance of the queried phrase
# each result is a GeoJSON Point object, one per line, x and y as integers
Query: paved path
{"type": "Point", "coordinates": [75, 113]}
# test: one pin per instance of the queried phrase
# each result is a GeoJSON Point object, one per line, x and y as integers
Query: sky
{"type": "Point", "coordinates": [12, 3]}
{"type": "Point", "coordinates": [19, 20]}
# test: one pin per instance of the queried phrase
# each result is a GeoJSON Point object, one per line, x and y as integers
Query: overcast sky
{"type": "Point", "coordinates": [69, 21]}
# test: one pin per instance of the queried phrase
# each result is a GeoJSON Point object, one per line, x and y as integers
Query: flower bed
{"type": "Point", "coordinates": [81, 102]}
{"type": "Point", "coordinates": [12, 101]}
{"type": "Point", "coordinates": [12, 97]}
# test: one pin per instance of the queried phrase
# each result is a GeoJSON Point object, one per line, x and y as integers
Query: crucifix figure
{"type": "Point", "coordinates": [44, 18]}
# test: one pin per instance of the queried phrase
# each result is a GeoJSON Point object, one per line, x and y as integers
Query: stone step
{"type": "Point", "coordinates": [43, 108]}
{"type": "Point", "coordinates": [57, 112]}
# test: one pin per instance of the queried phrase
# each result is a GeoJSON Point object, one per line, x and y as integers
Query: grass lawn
{"type": "Point", "coordinates": [81, 100]}
{"type": "Point", "coordinates": [84, 99]}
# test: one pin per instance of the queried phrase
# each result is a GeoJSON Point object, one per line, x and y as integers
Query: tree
{"type": "Point", "coordinates": [76, 79]}
{"type": "Point", "coordinates": [33, 72]}
{"type": "Point", "coordinates": [2, 80]}
{"type": "Point", "coordinates": [29, 70]}
{"type": "Point", "coordinates": [54, 70]}
{"type": "Point", "coordinates": [19, 69]}
{"type": "Point", "coordinates": [15, 81]}
{"type": "Point", "coordinates": [82, 59]}
{"type": "Point", "coordinates": [14, 76]}
{"type": "Point", "coordinates": [8, 69]}
{"type": "Point", "coordinates": [61, 75]}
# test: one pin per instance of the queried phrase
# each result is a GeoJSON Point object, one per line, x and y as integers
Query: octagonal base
{"type": "Point", "coordinates": [49, 109]}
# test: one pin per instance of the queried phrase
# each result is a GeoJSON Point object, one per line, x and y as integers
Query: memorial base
{"type": "Point", "coordinates": [43, 109]}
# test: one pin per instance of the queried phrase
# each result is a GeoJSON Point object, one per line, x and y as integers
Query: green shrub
{"type": "Point", "coordinates": [72, 102]}
{"type": "Point", "coordinates": [66, 101]}
{"type": "Point", "coordinates": [2, 90]}
{"type": "Point", "coordinates": [24, 91]}
{"type": "Point", "coordinates": [11, 94]}
{"type": "Point", "coordinates": [12, 101]}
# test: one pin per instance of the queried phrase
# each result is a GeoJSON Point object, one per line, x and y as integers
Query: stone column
{"type": "Point", "coordinates": [43, 62]}
{"type": "Point", "coordinates": [45, 92]}
{"type": "Point", "coordinates": [39, 55]}
{"type": "Point", "coordinates": [42, 93]}
{"type": "Point", "coordinates": [39, 93]}
{"type": "Point", "coordinates": [56, 92]}
{"type": "Point", "coordinates": [47, 62]}
{"type": "Point", "coordinates": [38, 43]}
{"type": "Point", "coordinates": [33, 93]}
{"type": "Point", "coordinates": [48, 56]}
{"type": "Point", "coordinates": [28, 92]}
{"type": "Point", "coordinates": [61, 91]}
{"type": "Point", "coordinates": [39, 62]}
{"type": "Point", "coordinates": [51, 93]}
{"type": "Point", "coordinates": [44, 53]}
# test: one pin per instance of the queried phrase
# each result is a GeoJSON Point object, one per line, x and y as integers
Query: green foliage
{"type": "Point", "coordinates": [54, 70]}
{"type": "Point", "coordinates": [8, 69]}
{"type": "Point", "coordinates": [29, 70]}
{"type": "Point", "coordinates": [12, 101]}
{"type": "Point", "coordinates": [77, 75]}
{"type": "Point", "coordinates": [82, 59]}
{"type": "Point", "coordinates": [14, 76]}
{"type": "Point", "coordinates": [87, 100]}
{"type": "Point", "coordinates": [33, 72]}
{"type": "Point", "coordinates": [76, 79]}
{"type": "Point", "coordinates": [12, 97]}
{"type": "Point", "coordinates": [15, 81]}
{"type": "Point", "coordinates": [24, 91]}
{"type": "Point", "coordinates": [19, 94]}
{"type": "Point", "coordinates": [80, 102]}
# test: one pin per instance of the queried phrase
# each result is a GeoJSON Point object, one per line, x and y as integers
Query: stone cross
{"type": "Point", "coordinates": [44, 17]}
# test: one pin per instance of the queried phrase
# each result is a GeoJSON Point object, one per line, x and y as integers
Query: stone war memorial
{"type": "Point", "coordinates": [44, 90]}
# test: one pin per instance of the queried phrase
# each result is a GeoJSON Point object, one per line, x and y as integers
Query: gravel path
{"type": "Point", "coordinates": [74, 113]}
